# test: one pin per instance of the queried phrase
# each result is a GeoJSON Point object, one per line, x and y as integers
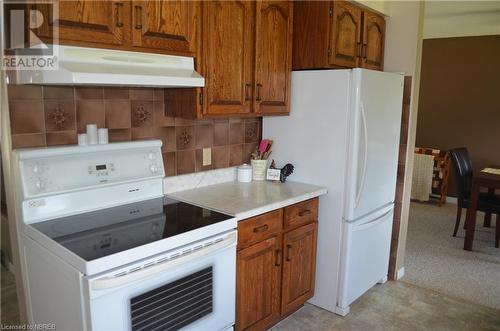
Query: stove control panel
{"type": "Point", "coordinates": [56, 170]}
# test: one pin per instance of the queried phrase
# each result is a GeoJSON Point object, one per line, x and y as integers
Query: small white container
{"type": "Point", "coordinates": [92, 134]}
{"type": "Point", "coordinates": [103, 136]}
{"type": "Point", "coordinates": [82, 139]}
{"type": "Point", "coordinates": [259, 168]}
{"type": "Point", "coordinates": [244, 172]}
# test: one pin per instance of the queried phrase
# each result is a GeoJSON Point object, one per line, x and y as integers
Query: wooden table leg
{"type": "Point", "coordinates": [471, 217]}
{"type": "Point", "coordinates": [487, 216]}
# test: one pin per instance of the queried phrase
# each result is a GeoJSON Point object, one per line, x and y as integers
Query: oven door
{"type": "Point", "coordinates": [190, 289]}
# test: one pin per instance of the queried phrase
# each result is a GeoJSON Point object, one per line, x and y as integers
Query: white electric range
{"type": "Point", "coordinates": [102, 249]}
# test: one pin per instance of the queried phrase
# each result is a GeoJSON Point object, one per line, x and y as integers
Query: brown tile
{"type": "Point", "coordinates": [141, 94]}
{"type": "Point", "coordinates": [183, 121]}
{"type": "Point", "coordinates": [248, 149]}
{"type": "Point", "coordinates": [235, 155]}
{"type": "Point", "coordinates": [221, 133]}
{"type": "Point", "coordinates": [116, 93]}
{"type": "Point", "coordinates": [167, 136]}
{"type": "Point", "coordinates": [220, 157]}
{"type": "Point", "coordinates": [141, 113]}
{"type": "Point", "coordinates": [58, 92]}
{"type": "Point", "coordinates": [199, 162]}
{"type": "Point", "coordinates": [16, 92]}
{"type": "Point", "coordinates": [61, 138]}
{"type": "Point", "coordinates": [236, 120]}
{"type": "Point", "coordinates": [204, 136]}
{"type": "Point", "coordinates": [236, 133]}
{"type": "Point", "coordinates": [170, 164]}
{"type": "Point", "coordinates": [89, 112]}
{"type": "Point", "coordinates": [116, 135]}
{"type": "Point", "coordinates": [28, 140]}
{"type": "Point", "coordinates": [27, 116]}
{"type": "Point", "coordinates": [252, 132]}
{"type": "Point", "coordinates": [185, 162]}
{"type": "Point", "coordinates": [158, 94]}
{"type": "Point", "coordinates": [185, 137]}
{"type": "Point", "coordinates": [141, 133]}
{"type": "Point", "coordinates": [88, 93]}
{"type": "Point", "coordinates": [59, 115]}
{"type": "Point", "coordinates": [117, 114]}
{"type": "Point", "coordinates": [160, 117]}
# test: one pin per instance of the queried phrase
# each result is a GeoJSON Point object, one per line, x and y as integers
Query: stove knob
{"type": "Point", "coordinates": [153, 168]}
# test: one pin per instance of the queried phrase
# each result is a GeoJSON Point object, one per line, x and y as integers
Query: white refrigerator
{"type": "Point", "coordinates": [343, 133]}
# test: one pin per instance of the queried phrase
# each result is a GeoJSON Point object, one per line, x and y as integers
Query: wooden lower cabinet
{"type": "Point", "coordinates": [275, 272]}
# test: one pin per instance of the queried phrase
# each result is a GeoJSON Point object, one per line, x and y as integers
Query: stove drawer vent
{"type": "Point", "coordinates": [174, 305]}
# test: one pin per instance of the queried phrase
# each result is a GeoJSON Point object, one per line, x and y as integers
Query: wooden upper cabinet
{"type": "Point", "coordinates": [228, 48]}
{"type": "Point", "coordinates": [93, 21]}
{"type": "Point", "coordinates": [165, 25]}
{"type": "Point", "coordinates": [373, 41]}
{"type": "Point", "coordinates": [345, 43]}
{"type": "Point", "coordinates": [299, 267]}
{"type": "Point", "coordinates": [258, 285]}
{"type": "Point", "coordinates": [273, 56]}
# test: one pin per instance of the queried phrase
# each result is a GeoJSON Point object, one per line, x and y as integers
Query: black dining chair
{"type": "Point", "coordinates": [462, 166]}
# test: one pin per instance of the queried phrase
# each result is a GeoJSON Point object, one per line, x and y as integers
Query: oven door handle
{"type": "Point", "coordinates": [112, 282]}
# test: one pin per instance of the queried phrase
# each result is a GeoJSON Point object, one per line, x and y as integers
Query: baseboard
{"type": "Point", "coordinates": [400, 273]}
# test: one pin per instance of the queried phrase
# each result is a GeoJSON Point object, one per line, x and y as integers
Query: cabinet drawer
{"type": "Point", "coordinates": [259, 228]}
{"type": "Point", "coordinates": [301, 213]}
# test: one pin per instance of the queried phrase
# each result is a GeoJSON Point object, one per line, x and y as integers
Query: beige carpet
{"type": "Point", "coordinates": [436, 260]}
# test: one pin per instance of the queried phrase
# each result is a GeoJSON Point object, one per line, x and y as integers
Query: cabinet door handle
{"type": "Point", "coordinates": [118, 10]}
{"type": "Point", "coordinates": [248, 96]}
{"type": "Point", "coordinates": [138, 17]}
{"type": "Point", "coordinates": [261, 228]}
{"type": "Point", "coordinates": [288, 248]}
{"type": "Point", "coordinates": [277, 256]}
{"type": "Point", "coordinates": [259, 91]}
{"type": "Point", "coordinates": [304, 212]}
{"type": "Point", "coordinates": [364, 51]}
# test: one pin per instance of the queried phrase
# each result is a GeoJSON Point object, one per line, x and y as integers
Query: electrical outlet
{"type": "Point", "coordinates": [207, 156]}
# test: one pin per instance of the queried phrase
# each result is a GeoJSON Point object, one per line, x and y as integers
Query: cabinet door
{"type": "Point", "coordinates": [345, 42]}
{"type": "Point", "coordinates": [273, 52]}
{"type": "Point", "coordinates": [258, 285]}
{"type": "Point", "coordinates": [165, 25]}
{"type": "Point", "coordinates": [228, 48]}
{"type": "Point", "coordinates": [373, 41]}
{"type": "Point", "coordinates": [299, 267]}
{"type": "Point", "coordinates": [104, 22]}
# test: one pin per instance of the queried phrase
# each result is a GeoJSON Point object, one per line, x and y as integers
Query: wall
{"type": "Point", "coordinates": [444, 19]}
{"type": "Point", "coordinates": [48, 116]}
{"type": "Point", "coordinates": [459, 98]}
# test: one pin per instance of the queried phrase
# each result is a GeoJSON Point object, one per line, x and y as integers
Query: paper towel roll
{"type": "Point", "coordinates": [92, 134]}
{"type": "Point", "coordinates": [103, 136]}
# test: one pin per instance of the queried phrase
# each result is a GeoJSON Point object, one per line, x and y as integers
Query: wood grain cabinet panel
{"type": "Point", "coordinates": [258, 285]}
{"type": "Point", "coordinates": [299, 265]}
{"type": "Point", "coordinates": [228, 48]}
{"type": "Point", "coordinates": [166, 25]}
{"type": "Point", "coordinates": [273, 56]}
{"type": "Point", "coordinates": [260, 227]}
{"type": "Point", "coordinates": [373, 41]}
{"type": "Point", "coordinates": [301, 213]}
{"type": "Point", "coordinates": [345, 44]}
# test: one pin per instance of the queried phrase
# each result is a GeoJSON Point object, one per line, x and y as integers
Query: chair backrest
{"type": "Point", "coordinates": [462, 165]}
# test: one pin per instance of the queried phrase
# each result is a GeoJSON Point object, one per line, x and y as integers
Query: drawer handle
{"type": "Point", "coordinates": [248, 97]}
{"type": "Point", "coordinates": [304, 212]}
{"type": "Point", "coordinates": [118, 7]}
{"type": "Point", "coordinates": [261, 228]}
{"type": "Point", "coordinates": [259, 91]}
{"type": "Point", "coordinates": [277, 254]}
{"type": "Point", "coordinates": [138, 17]}
{"type": "Point", "coordinates": [288, 256]}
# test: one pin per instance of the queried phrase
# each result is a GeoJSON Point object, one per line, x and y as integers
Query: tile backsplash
{"type": "Point", "coordinates": [48, 116]}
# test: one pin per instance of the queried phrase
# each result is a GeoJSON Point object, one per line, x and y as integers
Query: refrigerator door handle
{"type": "Point", "coordinates": [365, 153]}
{"type": "Point", "coordinates": [373, 222]}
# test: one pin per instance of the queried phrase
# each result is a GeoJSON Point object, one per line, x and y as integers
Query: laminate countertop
{"type": "Point", "coordinates": [244, 200]}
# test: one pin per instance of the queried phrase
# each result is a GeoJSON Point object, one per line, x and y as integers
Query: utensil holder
{"type": "Point", "coordinates": [259, 168]}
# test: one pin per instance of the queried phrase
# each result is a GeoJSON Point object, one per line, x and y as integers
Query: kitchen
{"type": "Point", "coordinates": [185, 93]}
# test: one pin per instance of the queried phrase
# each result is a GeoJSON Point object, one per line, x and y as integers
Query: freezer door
{"type": "Point", "coordinates": [375, 113]}
{"type": "Point", "coordinates": [366, 255]}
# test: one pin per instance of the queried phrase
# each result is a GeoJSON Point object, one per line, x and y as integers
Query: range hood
{"type": "Point", "coordinates": [93, 66]}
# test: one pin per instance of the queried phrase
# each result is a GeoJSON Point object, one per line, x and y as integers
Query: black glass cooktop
{"type": "Point", "coordinates": [101, 233]}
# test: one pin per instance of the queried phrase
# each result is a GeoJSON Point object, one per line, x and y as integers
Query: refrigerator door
{"type": "Point", "coordinates": [366, 255]}
{"type": "Point", "coordinates": [376, 104]}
